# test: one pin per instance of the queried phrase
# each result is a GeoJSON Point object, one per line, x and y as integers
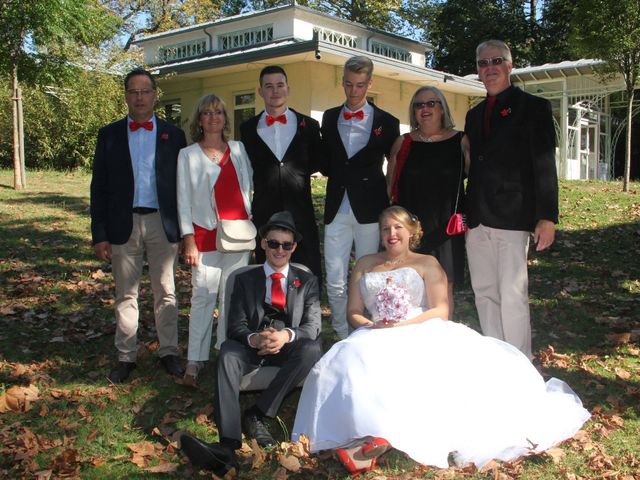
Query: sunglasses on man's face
{"type": "Point", "coordinates": [428, 103]}
{"type": "Point", "coordinates": [485, 62]}
{"type": "Point", "coordinates": [274, 245]}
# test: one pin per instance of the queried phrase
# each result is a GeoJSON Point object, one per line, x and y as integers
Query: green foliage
{"type": "Point", "coordinates": [552, 33]}
{"type": "Point", "coordinates": [62, 119]}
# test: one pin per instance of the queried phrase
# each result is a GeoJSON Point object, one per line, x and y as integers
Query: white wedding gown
{"type": "Point", "coordinates": [435, 390]}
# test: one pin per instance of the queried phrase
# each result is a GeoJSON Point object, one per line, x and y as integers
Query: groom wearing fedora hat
{"type": "Point", "coordinates": [274, 319]}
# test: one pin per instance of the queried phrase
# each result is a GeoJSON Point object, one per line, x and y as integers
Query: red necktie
{"type": "Point", "coordinates": [133, 126]}
{"type": "Point", "coordinates": [349, 115]}
{"type": "Point", "coordinates": [488, 108]}
{"type": "Point", "coordinates": [271, 120]}
{"type": "Point", "coordinates": [278, 299]}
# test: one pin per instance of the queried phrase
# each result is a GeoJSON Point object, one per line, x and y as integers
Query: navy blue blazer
{"type": "Point", "coordinates": [112, 184]}
{"type": "Point", "coordinates": [512, 180]}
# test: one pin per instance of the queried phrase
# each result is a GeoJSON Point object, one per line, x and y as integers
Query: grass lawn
{"type": "Point", "coordinates": [62, 419]}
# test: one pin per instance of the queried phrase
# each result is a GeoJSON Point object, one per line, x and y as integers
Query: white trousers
{"type": "Point", "coordinates": [498, 267]}
{"type": "Point", "coordinates": [339, 237]}
{"type": "Point", "coordinates": [207, 284]}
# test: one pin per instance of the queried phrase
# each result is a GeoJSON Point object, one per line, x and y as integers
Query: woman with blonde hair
{"type": "Point", "coordinates": [409, 379]}
{"type": "Point", "coordinates": [214, 183]}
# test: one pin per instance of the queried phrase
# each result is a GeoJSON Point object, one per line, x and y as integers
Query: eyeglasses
{"type": "Point", "coordinates": [274, 245]}
{"type": "Point", "coordinates": [428, 103]}
{"type": "Point", "coordinates": [140, 91]}
{"type": "Point", "coordinates": [211, 113]}
{"type": "Point", "coordinates": [485, 62]}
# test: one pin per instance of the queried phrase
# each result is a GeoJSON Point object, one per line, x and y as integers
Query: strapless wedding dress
{"type": "Point", "coordinates": [438, 391]}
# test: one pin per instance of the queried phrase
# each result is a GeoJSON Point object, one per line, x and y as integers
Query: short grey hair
{"type": "Point", "coordinates": [195, 130]}
{"type": "Point", "coordinates": [499, 44]}
{"type": "Point", "coordinates": [447, 121]}
{"type": "Point", "coordinates": [360, 64]}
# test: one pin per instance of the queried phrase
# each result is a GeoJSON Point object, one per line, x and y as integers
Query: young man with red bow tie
{"type": "Point", "coordinates": [134, 214]}
{"type": "Point", "coordinates": [274, 319]}
{"type": "Point", "coordinates": [356, 138]}
{"type": "Point", "coordinates": [283, 146]}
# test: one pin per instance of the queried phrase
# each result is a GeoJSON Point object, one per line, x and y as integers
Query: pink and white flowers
{"type": "Point", "coordinates": [392, 302]}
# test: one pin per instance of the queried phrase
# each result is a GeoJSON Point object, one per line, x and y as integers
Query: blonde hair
{"type": "Point", "coordinates": [447, 121]}
{"type": "Point", "coordinates": [408, 221]}
{"type": "Point", "coordinates": [359, 64]}
{"type": "Point", "coordinates": [195, 130]}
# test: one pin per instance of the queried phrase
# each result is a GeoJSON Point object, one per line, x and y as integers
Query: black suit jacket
{"type": "Point", "coordinates": [247, 311]}
{"type": "Point", "coordinates": [112, 184]}
{"type": "Point", "coordinates": [286, 185]}
{"type": "Point", "coordinates": [361, 175]}
{"type": "Point", "coordinates": [513, 181]}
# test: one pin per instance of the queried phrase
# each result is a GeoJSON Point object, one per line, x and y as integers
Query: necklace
{"type": "Point", "coordinates": [215, 153]}
{"type": "Point", "coordinates": [395, 261]}
{"type": "Point", "coordinates": [428, 139]}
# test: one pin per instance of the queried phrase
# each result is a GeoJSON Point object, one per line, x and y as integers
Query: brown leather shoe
{"type": "Point", "coordinates": [121, 372]}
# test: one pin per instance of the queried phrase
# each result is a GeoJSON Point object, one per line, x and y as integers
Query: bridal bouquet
{"type": "Point", "coordinates": [392, 302]}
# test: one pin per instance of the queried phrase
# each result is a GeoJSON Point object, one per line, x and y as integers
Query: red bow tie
{"type": "Point", "coordinates": [349, 115]}
{"type": "Point", "coordinates": [271, 120]}
{"type": "Point", "coordinates": [133, 126]}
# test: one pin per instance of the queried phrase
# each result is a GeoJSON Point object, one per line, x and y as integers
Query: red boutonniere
{"type": "Point", "coordinates": [164, 136]}
{"type": "Point", "coordinates": [505, 112]}
{"type": "Point", "coordinates": [377, 131]}
{"type": "Point", "coordinates": [303, 123]}
{"type": "Point", "coordinates": [296, 283]}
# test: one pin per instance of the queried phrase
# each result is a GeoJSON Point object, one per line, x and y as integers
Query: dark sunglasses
{"type": "Point", "coordinates": [428, 103]}
{"type": "Point", "coordinates": [274, 245]}
{"type": "Point", "coordinates": [485, 62]}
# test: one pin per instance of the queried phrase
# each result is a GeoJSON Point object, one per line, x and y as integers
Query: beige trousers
{"type": "Point", "coordinates": [147, 237]}
{"type": "Point", "coordinates": [498, 267]}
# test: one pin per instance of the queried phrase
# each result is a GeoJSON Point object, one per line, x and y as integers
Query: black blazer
{"type": "Point", "coordinates": [513, 181]}
{"type": "Point", "coordinates": [246, 309]}
{"type": "Point", "coordinates": [284, 186]}
{"type": "Point", "coordinates": [112, 184]}
{"type": "Point", "coordinates": [361, 175]}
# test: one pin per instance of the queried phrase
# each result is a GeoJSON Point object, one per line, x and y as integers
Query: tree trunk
{"type": "Point", "coordinates": [627, 152]}
{"type": "Point", "coordinates": [18, 155]}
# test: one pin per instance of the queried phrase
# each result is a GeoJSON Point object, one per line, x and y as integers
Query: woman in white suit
{"type": "Point", "coordinates": [214, 182]}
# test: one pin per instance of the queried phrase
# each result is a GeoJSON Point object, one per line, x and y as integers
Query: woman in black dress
{"type": "Point", "coordinates": [425, 175]}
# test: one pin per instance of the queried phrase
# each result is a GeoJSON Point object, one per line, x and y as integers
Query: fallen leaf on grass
{"type": "Point", "coordinates": [289, 462]}
{"type": "Point", "coordinates": [165, 467]}
{"type": "Point", "coordinates": [43, 474]}
{"type": "Point", "coordinates": [146, 449]}
{"type": "Point", "coordinates": [67, 463]}
{"type": "Point", "coordinates": [258, 455]}
{"type": "Point", "coordinates": [18, 398]}
{"type": "Point", "coordinates": [622, 373]}
{"type": "Point", "coordinates": [280, 474]}
{"type": "Point", "coordinates": [555, 453]}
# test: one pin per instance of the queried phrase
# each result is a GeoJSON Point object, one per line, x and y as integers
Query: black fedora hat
{"type": "Point", "coordinates": [284, 220]}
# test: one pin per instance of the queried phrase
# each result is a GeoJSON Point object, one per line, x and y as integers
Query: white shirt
{"type": "Point", "coordinates": [278, 136]}
{"type": "Point", "coordinates": [142, 148]}
{"type": "Point", "coordinates": [268, 271]}
{"type": "Point", "coordinates": [354, 134]}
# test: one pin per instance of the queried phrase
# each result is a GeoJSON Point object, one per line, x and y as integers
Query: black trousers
{"type": "Point", "coordinates": [235, 360]}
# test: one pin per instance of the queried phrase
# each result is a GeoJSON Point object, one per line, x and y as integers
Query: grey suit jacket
{"type": "Point", "coordinates": [246, 311]}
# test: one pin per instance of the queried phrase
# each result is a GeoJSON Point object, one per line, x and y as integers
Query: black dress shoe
{"type": "Point", "coordinates": [121, 372]}
{"type": "Point", "coordinates": [210, 456]}
{"type": "Point", "coordinates": [172, 365]}
{"type": "Point", "coordinates": [253, 427]}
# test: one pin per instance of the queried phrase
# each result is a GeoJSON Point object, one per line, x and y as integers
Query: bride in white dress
{"type": "Point", "coordinates": [434, 389]}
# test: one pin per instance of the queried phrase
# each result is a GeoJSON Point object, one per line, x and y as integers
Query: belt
{"type": "Point", "coordinates": [144, 210]}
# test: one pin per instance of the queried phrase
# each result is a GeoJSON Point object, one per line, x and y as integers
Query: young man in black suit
{"type": "Point", "coordinates": [284, 147]}
{"type": "Point", "coordinates": [274, 319]}
{"type": "Point", "coordinates": [512, 190]}
{"type": "Point", "coordinates": [356, 137]}
{"type": "Point", "coordinates": [134, 214]}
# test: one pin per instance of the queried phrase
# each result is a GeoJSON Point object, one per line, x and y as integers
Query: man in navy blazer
{"type": "Point", "coordinates": [512, 190]}
{"type": "Point", "coordinates": [356, 138]}
{"type": "Point", "coordinates": [274, 319]}
{"type": "Point", "coordinates": [284, 148]}
{"type": "Point", "coordinates": [134, 214]}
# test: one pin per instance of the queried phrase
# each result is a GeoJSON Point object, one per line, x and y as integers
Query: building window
{"type": "Point", "coordinates": [337, 38]}
{"type": "Point", "coordinates": [391, 51]}
{"type": "Point", "coordinates": [244, 107]}
{"type": "Point", "coordinates": [180, 51]}
{"type": "Point", "coordinates": [245, 38]}
{"type": "Point", "coordinates": [172, 112]}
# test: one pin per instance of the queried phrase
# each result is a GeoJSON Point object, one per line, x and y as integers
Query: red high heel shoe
{"type": "Point", "coordinates": [375, 447]}
{"type": "Point", "coordinates": [354, 462]}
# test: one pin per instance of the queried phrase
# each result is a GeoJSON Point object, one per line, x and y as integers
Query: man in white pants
{"type": "Point", "coordinates": [356, 137]}
{"type": "Point", "coordinates": [512, 190]}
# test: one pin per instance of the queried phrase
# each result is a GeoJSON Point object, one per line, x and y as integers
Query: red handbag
{"type": "Point", "coordinates": [457, 224]}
